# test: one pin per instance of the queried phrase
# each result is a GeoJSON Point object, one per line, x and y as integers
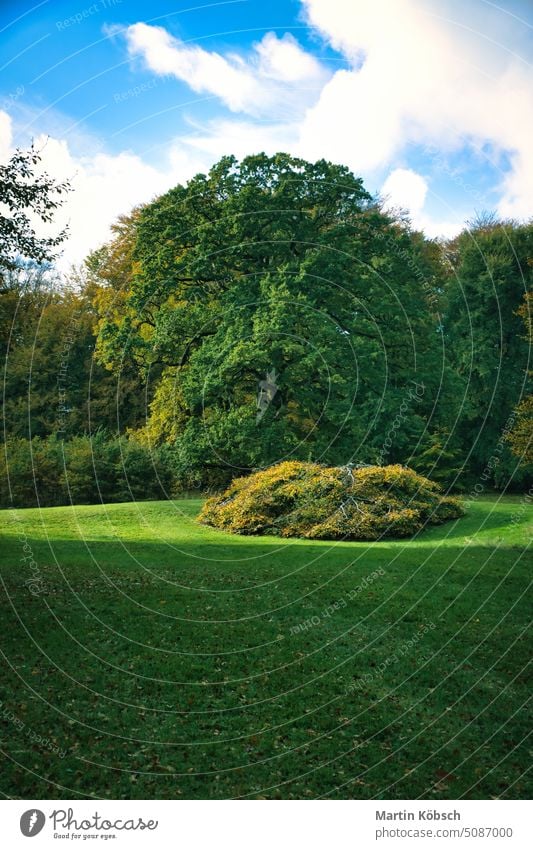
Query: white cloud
{"type": "Point", "coordinates": [276, 74]}
{"type": "Point", "coordinates": [418, 79]}
{"type": "Point", "coordinates": [413, 80]}
{"type": "Point", "coordinates": [405, 189]}
{"type": "Point", "coordinates": [6, 136]}
{"type": "Point", "coordinates": [419, 74]}
{"type": "Point", "coordinates": [517, 200]}
{"type": "Point", "coordinates": [240, 138]}
{"type": "Point", "coordinates": [104, 186]}
{"type": "Point", "coordinates": [283, 59]}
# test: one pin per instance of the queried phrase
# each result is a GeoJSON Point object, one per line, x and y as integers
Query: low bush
{"type": "Point", "coordinates": [294, 499]}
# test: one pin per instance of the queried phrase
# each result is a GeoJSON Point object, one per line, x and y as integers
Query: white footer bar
{"type": "Point", "coordinates": [267, 825]}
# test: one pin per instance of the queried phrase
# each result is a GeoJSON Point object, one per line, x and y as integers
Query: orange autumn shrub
{"type": "Point", "coordinates": [295, 499]}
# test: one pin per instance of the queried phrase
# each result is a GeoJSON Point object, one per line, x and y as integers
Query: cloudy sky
{"type": "Point", "coordinates": [431, 101]}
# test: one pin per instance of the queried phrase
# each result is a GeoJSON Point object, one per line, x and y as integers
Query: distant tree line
{"type": "Point", "coordinates": [144, 374]}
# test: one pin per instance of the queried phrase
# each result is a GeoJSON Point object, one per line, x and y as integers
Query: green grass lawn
{"type": "Point", "coordinates": [162, 659]}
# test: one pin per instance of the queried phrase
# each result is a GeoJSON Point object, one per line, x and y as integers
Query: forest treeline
{"type": "Point", "coordinates": [270, 309]}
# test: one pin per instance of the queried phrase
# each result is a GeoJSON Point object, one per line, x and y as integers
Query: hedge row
{"type": "Point", "coordinates": [83, 470]}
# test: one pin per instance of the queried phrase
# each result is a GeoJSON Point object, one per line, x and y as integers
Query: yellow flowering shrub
{"type": "Point", "coordinates": [295, 499]}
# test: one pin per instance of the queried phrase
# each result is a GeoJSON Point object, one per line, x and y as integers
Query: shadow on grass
{"type": "Point", "coordinates": [297, 571]}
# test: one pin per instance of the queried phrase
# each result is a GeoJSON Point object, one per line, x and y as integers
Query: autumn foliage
{"type": "Point", "coordinates": [294, 499]}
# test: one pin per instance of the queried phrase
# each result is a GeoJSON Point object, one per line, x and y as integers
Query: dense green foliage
{"type": "Point", "coordinates": [51, 382]}
{"type": "Point", "coordinates": [521, 436]}
{"type": "Point", "coordinates": [271, 310]}
{"type": "Point", "coordinates": [306, 500]}
{"type": "Point", "coordinates": [165, 659]}
{"type": "Point", "coordinates": [81, 470]}
{"type": "Point", "coordinates": [64, 415]}
{"type": "Point", "coordinates": [278, 273]}
{"type": "Point", "coordinates": [282, 271]}
{"type": "Point", "coordinates": [493, 269]}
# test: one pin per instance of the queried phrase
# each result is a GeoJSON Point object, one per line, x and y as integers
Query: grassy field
{"type": "Point", "coordinates": [145, 656]}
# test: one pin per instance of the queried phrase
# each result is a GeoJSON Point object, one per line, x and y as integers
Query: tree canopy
{"type": "Point", "coordinates": [277, 267]}
{"type": "Point", "coordinates": [271, 310]}
{"type": "Point", "coordinates": [492, 271]}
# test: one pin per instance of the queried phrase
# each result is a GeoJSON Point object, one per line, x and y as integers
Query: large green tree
{"type": "Point", "coordinates": [276, 311]}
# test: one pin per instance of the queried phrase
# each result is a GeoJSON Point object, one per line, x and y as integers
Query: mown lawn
{"type": "Point", "coordinates": [167, 660]}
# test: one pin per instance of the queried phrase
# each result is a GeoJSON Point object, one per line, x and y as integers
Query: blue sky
{"type": "Point", "coordinates": [429, 100]}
